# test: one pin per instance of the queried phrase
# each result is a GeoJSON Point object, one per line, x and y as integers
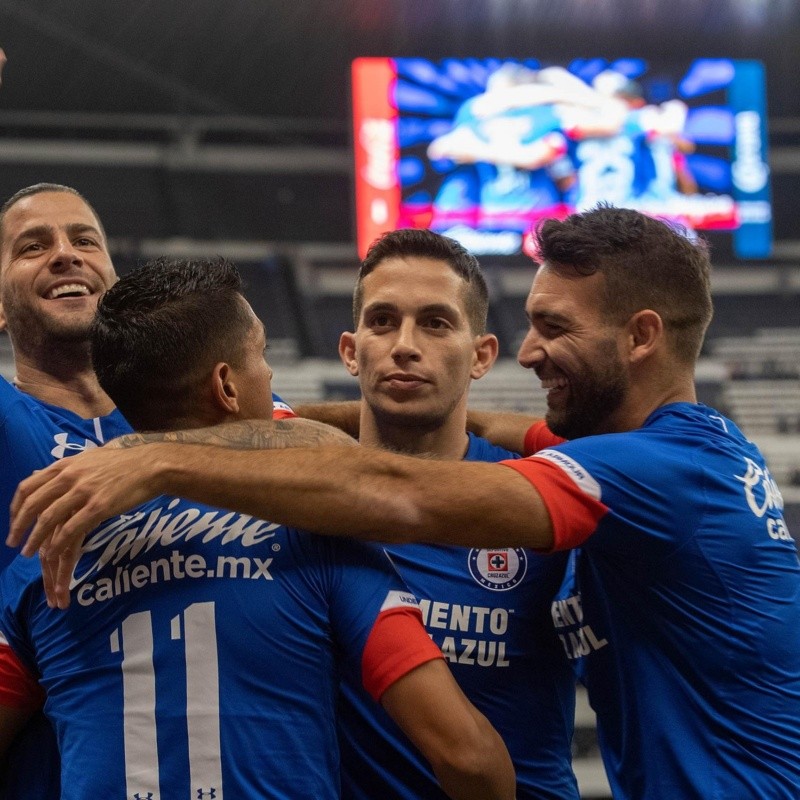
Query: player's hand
{"type": "Point", "coordinates": [62, 503]}
{"type": "Point", "coordinates": [3, 60]}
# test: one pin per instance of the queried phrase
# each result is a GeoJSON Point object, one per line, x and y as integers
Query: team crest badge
{"type": "Point", "coordinates": [498, 569]}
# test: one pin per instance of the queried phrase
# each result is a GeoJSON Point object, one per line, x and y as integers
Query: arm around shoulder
{"type": "Point", "coordinates": [358, 492]}
{"type": "Point", "coordinates": [502, 428]}
{"type": "Point", "coordinates": [345, 415]}
{"type": "Point", "coordinates": [252, 434]}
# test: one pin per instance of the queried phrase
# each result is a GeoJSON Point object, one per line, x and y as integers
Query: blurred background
{"type": "Point", "coordinates": [202, 127]}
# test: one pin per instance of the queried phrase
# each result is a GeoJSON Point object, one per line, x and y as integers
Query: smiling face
{"type": "Point", "coordinates": [576, 353]}
{"type": "Point", "coordinates": [413, 350]}
{"type": "Point", "coordinates": [54, 265]}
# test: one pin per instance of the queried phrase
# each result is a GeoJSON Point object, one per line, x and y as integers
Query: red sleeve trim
{"type": "Point", "coordinates": [540, 436]}
{"type": "Point", "coordinates": [282, 412]}
{"type": "Point", "coordinates": [397, 644]}
{"type": "Point", "coordinates": [18, 688]}
{"type": "Point", "coordinates": [575, 509]}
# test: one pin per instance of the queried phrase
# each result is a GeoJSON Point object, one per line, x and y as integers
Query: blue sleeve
{"type": "Point", "coordinates": [363, 580]}
{"type": "Point", "coordinates": [15, 601]}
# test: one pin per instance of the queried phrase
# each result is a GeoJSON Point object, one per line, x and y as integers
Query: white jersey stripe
{"type": "Point", "coordinates": [139, 710]}
{"type": "Point", "coordinates": [202, 701]}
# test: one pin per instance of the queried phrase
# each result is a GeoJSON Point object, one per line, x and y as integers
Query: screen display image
{"type": "Point", "coordinates": [483, 149]}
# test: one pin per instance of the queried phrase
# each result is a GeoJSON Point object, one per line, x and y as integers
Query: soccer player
{"type": "Point", "coordinates": [689, 577]}
{"type": "Point", "coordinates": [54, 264]}
{"type": "Point", "coordinates": [204, 647]}
{"type": "Point", "coordinates": [419, 309]}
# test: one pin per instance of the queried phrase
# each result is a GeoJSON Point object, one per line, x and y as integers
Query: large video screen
{"type": "Point", "coordinates": [483, 149]}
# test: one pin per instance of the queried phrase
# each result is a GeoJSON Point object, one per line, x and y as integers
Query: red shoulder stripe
{"type": "Point", "coordinates": [397, 644]}
{"type": "Point", "coordinates": [572, 499]}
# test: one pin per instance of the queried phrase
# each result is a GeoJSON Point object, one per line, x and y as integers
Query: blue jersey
{"type": "Point", "coordinates": [489, 612]}
{"type": "Point", "coordinates": [33, 434]}
{"type": "Point", "coordinates": [690, 589]}
{"type": "Point", "coordinates": [200, 654]}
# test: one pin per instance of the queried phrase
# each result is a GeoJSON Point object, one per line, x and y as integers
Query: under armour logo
{"type": "Point", "coordinates": [64, 447]}
{"type": "Point", "coordinates": [211, 793]}
{"type": "Point", "coordinates": [140, 796]}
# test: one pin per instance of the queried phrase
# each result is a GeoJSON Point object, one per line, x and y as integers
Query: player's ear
{"type": "Point", "coordinates": [645, 331]}
{"type": "Point", "coordinates": [223, 389]}
{"type": "Point", "coordinates": [486, 349]}
{"type": "Point", "coordinates": [347, 352]}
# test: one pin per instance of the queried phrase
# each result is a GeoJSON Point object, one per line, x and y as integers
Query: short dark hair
{"type": "Point", "coordinates": [38, 188]}
{"type": "Point", "coordinates": [423, 243]}
{"type": "Point", "coordinates": [160, 330]}
{"type": "Point", "coordinates": [646, 262]}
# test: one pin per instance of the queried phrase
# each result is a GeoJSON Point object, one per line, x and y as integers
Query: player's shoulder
{"type": "Point", "coordinates": [18, 408]}
{"type": "Point", "coordinates": [10, 397]}
{"type": "Point", "coordinates": [636, 452]}
{"type": "Point", "coordinates": [679, 439]}
{"type": "Point", "coordinates": [693, 432]}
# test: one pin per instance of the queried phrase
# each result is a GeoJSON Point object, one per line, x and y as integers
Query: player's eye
{"type": "Point", "coordinates": [551, 329]}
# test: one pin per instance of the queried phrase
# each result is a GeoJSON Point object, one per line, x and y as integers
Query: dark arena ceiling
{"type": "Point", "coordinates": [280, 58]}
{"type": "Point", "coordinates": [230, 119]}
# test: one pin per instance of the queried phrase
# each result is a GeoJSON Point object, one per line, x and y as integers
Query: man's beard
{"type": "Point", "coordinates": [593, 397]}
{"type": "Point", "coordinates": [418, 421]}
{"type": "Point", "coordinates": [29, 329]}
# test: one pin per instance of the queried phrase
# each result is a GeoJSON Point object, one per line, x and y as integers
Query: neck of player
{"type": "Point", "coordinates": [66, 382]}
{"type": "Point", "coordinates": [445, 439]}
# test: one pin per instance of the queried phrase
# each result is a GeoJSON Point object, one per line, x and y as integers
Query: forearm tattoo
{"type": "Point", "coordinates": [249, 435]}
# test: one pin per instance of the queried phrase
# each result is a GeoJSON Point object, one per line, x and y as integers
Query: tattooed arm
{"type": "Point", "coordinates": [130, 487]}
{"type": "Point", "coordinates": [247, 435]}
{"type": "Point", "coordinates": [345, 415]}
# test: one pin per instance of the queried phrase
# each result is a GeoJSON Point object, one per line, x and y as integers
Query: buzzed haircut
{"type": "Point", "coordinates": [38, 188]}
{"type": "Point", "coordinates": [159, 332]}
{"type": "Point", "coordinates": [647, 264]}
{"type": "Point", "coordinates": [422, 243]}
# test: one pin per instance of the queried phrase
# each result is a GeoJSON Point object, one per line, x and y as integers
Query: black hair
{"type": "Point", "coordinates": [423, 243]}
{"type": "Point", "coordinates": [646, 263]}
{"type": "Point", "coordinates": [160, 330]}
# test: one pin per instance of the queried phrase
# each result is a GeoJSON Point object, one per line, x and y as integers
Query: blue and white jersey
{"type": "Point", "coordinates": [34, 434]}
{"type": "Point", "coordinates": [201, 651]}
{"type": "Point", "coordinates": [690, 590]}
{"type": "Point", "coordinates": [489, 610]}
